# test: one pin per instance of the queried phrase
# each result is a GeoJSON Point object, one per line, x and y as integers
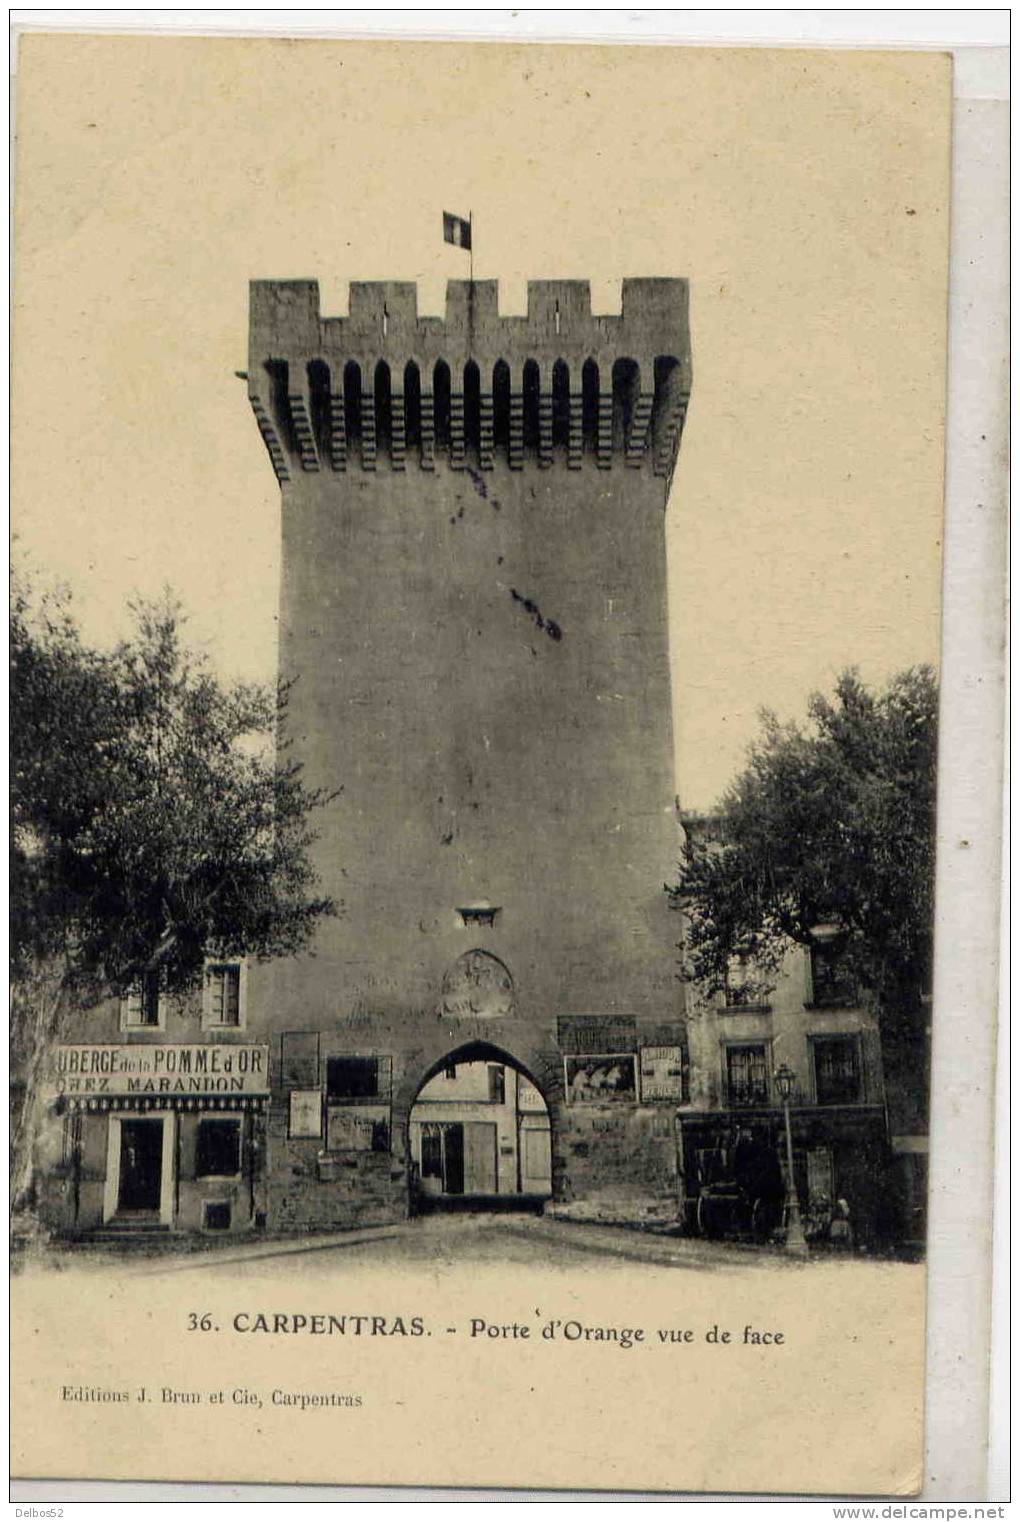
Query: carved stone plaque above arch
{"type": "Point", "coordinates": [477, 987]}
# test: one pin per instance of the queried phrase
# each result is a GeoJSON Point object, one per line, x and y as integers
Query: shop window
{"type": "Point", "coordinates": [216, 1216]}
{"type": "Point", "coordinates": [832, 983]}
{"type": "Point", "coordinates": [497, 1085]}
{"type": "Point", "coordinates": [747, 1076]}
{"type": "Point", "coordinates": [142, 1007]}
{"type": "Point", "coordinates": [352, 1077]}
{"type": "Point", "coordinates": [223, 995]}
{"type": "Point", "coordinates": [837, 1070]}
{"type": "Point", "coordinates": [218, 1149]}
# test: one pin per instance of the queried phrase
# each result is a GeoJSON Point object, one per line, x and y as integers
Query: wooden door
{"type": "Point", "coordinates": [480, 1158]}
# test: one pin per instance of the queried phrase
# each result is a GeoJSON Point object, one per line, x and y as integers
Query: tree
{"type": "Point", "coordinates": [153, 823]}
{"type": "Point", "coordinates": [828, 833]}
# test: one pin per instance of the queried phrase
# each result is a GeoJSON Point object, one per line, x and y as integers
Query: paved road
{"type": "Point", "coordinates": [441, 1241]}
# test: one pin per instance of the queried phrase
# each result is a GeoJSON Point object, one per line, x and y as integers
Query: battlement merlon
{"type": "Point", "coordinates": [635, 366]}
{"type": "Point", "coordinates": [383, 323]}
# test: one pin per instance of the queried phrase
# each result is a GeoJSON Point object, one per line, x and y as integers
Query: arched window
{"type": "Point", "coordinates": [560, 404]}
{"type": "Point", "coordinates": [441, 393]}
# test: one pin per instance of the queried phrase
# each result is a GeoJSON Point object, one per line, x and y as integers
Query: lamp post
{"type": "Point", "coordinates": [796, 1243]}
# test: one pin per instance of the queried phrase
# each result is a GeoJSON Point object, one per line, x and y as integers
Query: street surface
{"type": "Point", "coordinates": [442, 1241]}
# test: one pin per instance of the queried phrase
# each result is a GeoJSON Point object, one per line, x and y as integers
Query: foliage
{"type": "Point", "coordinates": [148, 829]}
{"type": "Point", "coordinates": [829, 823]}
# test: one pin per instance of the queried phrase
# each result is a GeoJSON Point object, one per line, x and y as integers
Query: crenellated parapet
{"type": "Point", "coordinates": [387, 389]}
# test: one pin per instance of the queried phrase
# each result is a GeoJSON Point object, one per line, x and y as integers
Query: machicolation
{"type": "Point", "coordinates": [383, 387]}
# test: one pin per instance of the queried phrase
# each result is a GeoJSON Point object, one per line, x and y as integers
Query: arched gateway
{"type": "Point", "coordinates": [479, 1134]}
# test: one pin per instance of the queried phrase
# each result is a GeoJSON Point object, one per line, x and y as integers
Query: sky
{"type": "Point", "coordinates": [804, 195]}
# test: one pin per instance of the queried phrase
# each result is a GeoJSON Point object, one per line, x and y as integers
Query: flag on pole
{"type": "Point", "coordinates": [456, 230]}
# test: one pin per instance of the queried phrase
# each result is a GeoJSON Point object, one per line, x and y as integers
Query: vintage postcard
{"type": "Point", "coordinates": [474, 799]}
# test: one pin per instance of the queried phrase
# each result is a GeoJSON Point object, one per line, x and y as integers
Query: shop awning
{"type": "Point", "coordinates": [139, 1103]}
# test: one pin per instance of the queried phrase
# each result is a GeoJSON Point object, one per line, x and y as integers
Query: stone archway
{"type": "Point", "coordinates": [479, 1132]}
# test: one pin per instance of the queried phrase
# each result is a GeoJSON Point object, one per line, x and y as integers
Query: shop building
{"type": "Point", "coordinates": [733, 1163]}
{"type": "Point", "coordinates": [155, 1119]}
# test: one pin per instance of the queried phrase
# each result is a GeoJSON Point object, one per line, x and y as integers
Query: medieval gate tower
{"type": "Point", "coordinates": [474, 619]}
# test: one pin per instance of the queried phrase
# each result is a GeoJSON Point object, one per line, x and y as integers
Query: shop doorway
{"type": "Point", "coordinates": [479, 1136]}
{"type": "Point", "coordinates": [141, 1165]}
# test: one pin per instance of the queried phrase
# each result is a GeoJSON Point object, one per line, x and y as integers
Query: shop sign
{"type": "Point", "coordinates": [662, 1072]}
{"type": "Point", "coordinates": [596, 1033]}
{"type": "Point", "coordinates": [152, 1070]}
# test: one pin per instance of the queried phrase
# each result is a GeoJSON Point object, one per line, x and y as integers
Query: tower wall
{"type": "Point", "coordinates": [474, 620]}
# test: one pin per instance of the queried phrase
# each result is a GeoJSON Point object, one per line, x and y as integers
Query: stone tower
{"type": "Point", "coordinates": [473, 615]}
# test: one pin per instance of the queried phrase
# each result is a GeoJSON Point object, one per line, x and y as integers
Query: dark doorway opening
{"type": "Point", "coordinates": [141, 1164]}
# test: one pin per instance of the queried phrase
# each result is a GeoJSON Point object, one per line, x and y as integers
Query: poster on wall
{"type": "Point", "coordinates": [593, 1080]}
{"type": "Point", "coordinates": [305, 1113]}
{"type": "Point", "coordinates": [663, 1073]}
{"type": "Point", "coordinates": [358, 1130]}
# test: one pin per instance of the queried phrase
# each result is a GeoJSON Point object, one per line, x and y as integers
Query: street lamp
{"type": "Point", "coordinates": [796, 1242]}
